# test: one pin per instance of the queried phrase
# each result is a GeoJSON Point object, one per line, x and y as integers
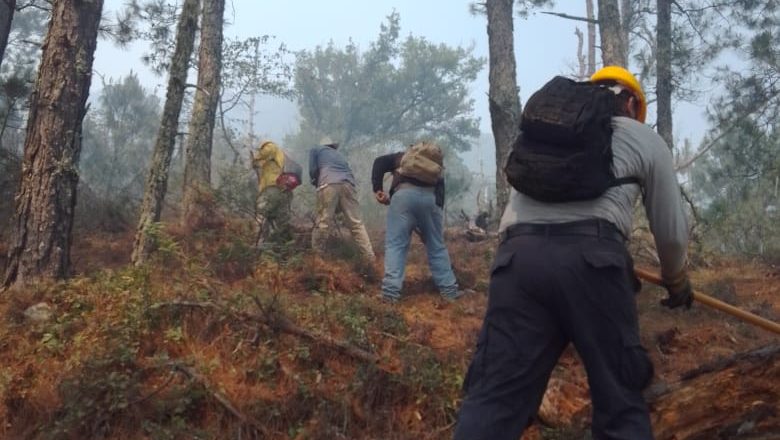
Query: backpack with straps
{"type": "Point", "coordinates": [564, 150]}
{"type": "Point", "coordinates": [423, 162]}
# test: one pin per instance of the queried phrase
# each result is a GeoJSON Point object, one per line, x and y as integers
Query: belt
{"type": "Point", "coordinates": [404, 185]}
{"type": "Point", "coordinates": [589, 228]}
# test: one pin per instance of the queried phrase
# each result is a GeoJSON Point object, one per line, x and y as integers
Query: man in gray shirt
{"type": "Point", "coordinates": [331, 175]}
{"type": "Point", "coordinates": [562, 274]}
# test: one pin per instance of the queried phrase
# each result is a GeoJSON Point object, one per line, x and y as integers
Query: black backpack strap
{"type": "Point", "coordinates": [625, 180]}
{"type": "Point", "coordinates": [630, 179]}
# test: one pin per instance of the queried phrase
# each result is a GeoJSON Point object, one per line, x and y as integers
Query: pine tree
{"type": "Point", "coordinates": [157, 179]}
{"type": "Point", "coordinates": [197, 167]}
{"type": "Point", "coordinates": [45, 201]}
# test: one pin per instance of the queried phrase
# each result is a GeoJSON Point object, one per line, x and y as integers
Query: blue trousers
{"type": "Point", "coordinates": [545, 292]}
{"type": "Point", "coordinates": [412, 208]}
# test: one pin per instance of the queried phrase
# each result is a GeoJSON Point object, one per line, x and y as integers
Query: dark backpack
{"type": "Point", "coordinates": [564, 150]}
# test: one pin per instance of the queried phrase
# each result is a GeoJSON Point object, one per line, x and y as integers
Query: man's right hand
{"type": "Point", "coordinates": [680, 293]}
{"type": "Point", "coordinates": [382, 198]}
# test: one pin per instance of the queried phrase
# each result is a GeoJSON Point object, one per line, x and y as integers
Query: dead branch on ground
{"type": "Point", "coordinates": [223, 400]}
{"type": "Point", "coordinates": [275, 320]}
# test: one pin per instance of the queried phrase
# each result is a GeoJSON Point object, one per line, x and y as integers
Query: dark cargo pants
{"type": "Point", "coordinates": [546, 291]}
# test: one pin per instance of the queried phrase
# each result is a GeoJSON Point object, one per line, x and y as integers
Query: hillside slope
{"type": "Point", "coordinates": [212, 341]}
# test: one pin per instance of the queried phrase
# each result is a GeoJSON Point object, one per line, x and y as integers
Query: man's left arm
{"type": "Point", "coordinates": [382, 165]}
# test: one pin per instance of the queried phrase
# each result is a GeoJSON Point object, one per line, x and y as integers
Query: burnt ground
{"type": "Point", "coordinates": [193, 345]}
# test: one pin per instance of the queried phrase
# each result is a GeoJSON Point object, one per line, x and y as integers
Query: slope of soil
{"type": "Point", "coordinates": [213, 341]}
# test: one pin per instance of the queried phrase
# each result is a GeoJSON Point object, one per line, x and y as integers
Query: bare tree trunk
{"type": "Point", "coordinates": [582, 66]}
{"type": "Point", "coordinates": [664, 71]}
{"type": "Point", "coordinates": [7, 8]}
{"type": "Point", "coordinates": [627, 14]}
{"type": "Point", "coordinates": [157, 180]}
{"type": "Point", "coordinates": [591, 37]}
{"type": "Point", "coordinates": [197, 167]}
{"type": "Point", "coordinates": [612, 44]}
{"type": "Point", "coordinates": [503, 94]}
{"type": "Point", "coordinates": [45, 201]}
{"type": "Point", "coordinates": [252, 112]}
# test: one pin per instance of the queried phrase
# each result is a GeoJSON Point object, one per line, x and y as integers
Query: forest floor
{"type": "Point", "coordinates": [211, 340]}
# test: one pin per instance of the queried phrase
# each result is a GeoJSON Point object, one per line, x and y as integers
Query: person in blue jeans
{"type": "Point", "coordinates": [414, 206]}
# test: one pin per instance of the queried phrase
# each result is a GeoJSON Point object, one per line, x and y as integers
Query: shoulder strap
{"type": "Point", "coordinates": [630, 179]}
{"type": "Point", "coordinates": [625, 180]}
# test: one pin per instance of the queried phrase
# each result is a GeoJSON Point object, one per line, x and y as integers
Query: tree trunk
{"type": "Point", "coordinates": [197, 167]}
{"type": "Point", "coordinates": [45, 201]}
{"type": "Point", "coordinates": [732, 398]}
{"type": "Point", "coordinates": [627, 12]}
{"type": "Point", "coordinates": [591, 37]}
{"type": "Point", "coordinates": [582, 61]}
{"type": "Point", "coordinates": [157, 180]}
{"type": "Point", "coordinates": [7, 8]}
{"type": "Point", "coordinates": [503, 94]}
{"type": "Point", "coordinates": [612, 45]}
{"type": "Point", "coordinates": [664, 71]}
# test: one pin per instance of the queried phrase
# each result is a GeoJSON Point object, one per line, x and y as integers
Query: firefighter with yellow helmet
{"type": "Point", "coordinates": [277, 176]}
{"type": "Point", "coordinates": [562, 273]}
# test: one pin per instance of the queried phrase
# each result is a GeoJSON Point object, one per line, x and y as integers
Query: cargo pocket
{"type": "Point", "coordinates": [503, 259]}
{"type": "Point", "coordinates": [614, 293]}
{"type": "Point", "coordinates": [636, 368]}
{"type": "Point", "coordinates": [607, 280]}
{"type": "Point", "coordinates": [635, 282]}
{"type": "Point", "coordinates": [605, 259]}
{"type": "Point", "coordinates": [477, 366]}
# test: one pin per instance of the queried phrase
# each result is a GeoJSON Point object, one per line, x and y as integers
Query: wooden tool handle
{"type": "Point", "coordinates": [715, 303]}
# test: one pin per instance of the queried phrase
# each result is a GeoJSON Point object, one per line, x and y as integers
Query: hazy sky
{"type": "Point", "coordinates": [544, 45]}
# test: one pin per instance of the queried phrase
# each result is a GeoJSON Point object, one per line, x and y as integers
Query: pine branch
{"type": "Point", "coordinates": [571, 17]}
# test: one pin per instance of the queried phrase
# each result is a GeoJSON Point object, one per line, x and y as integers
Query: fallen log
{"type": "Point", "coordinates": [279, 322]}
{"type": "Point", "coordinates": [283, 324]}
{"type": "Point", "coordinates": [732, 398]}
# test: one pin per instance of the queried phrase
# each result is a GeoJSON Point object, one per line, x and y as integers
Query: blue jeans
{"type": "Point", "coordinates": [412, 208]}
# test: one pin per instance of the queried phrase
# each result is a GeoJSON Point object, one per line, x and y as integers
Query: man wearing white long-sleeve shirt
{"type": "Point", "coordinates": [562, 274]}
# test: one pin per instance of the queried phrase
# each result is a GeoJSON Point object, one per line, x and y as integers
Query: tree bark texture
{"type": "Point", "coordinates": [45, 201]}
{"type": "Point", "coordinates": [732, 398]}
{"type": "Point", "coordinates": [627, 19]}
{"type": "Point", "coordinates": [582, 61]}
{"type": "Point", "coordinates": [197, 166]}
{"type": "Point", "coordinates": [612, 44]}
{"type": "Point", "coordinates": [157, 179]}
{"type": "Point", "coordinates": [591, 38]}
{"type": "Point", "coordinates": [664, 71]}
{"type": "Point", "coordinates": [503, 92]}
{"type": "Point", "coordinates": [7, 8]}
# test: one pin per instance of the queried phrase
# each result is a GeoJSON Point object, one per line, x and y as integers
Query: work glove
{"type": "Point", "coordinates": [680, 293]}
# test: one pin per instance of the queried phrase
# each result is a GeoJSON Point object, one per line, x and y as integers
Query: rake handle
{"type": "Point", "coordinates": [715, 303]}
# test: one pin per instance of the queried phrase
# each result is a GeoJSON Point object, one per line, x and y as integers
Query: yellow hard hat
{"type": "Point", "coordinates": [626, 79]}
